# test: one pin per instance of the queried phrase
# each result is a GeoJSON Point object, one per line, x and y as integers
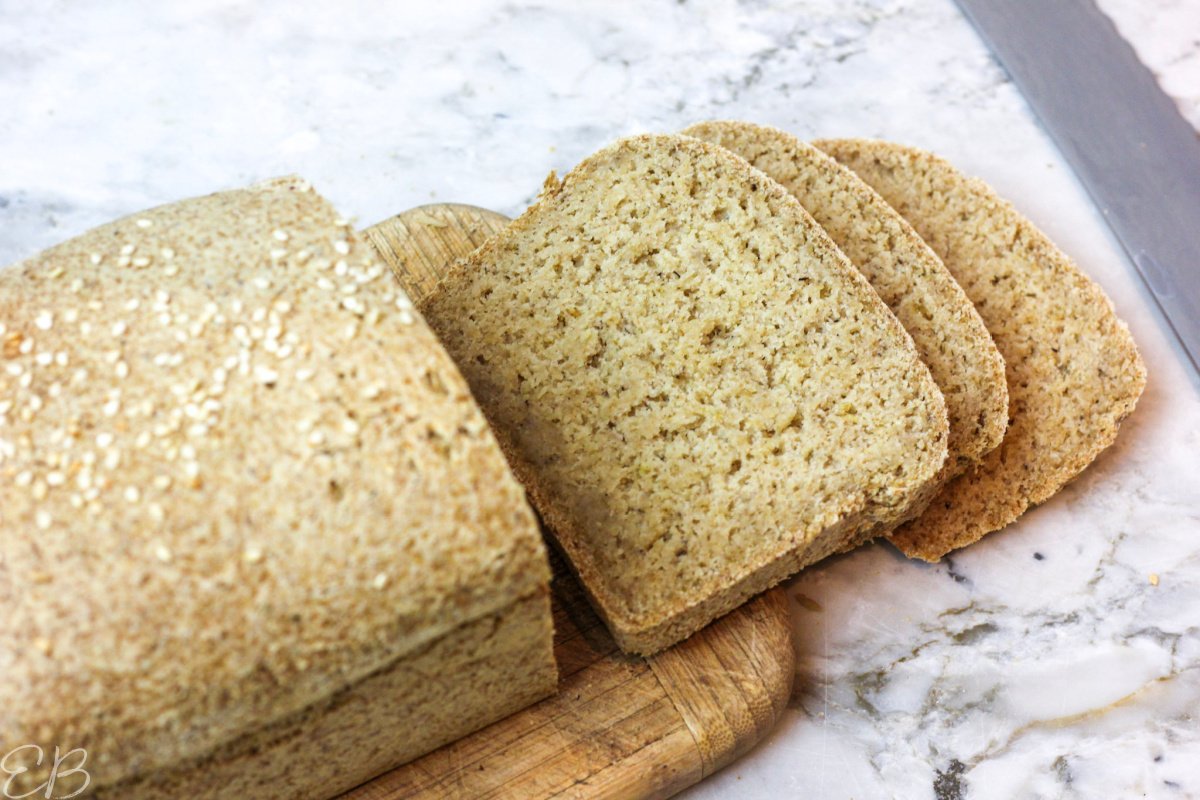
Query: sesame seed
{"type": "Point", "coordinates": [96, 258]}
{"type": "Point", "coordinates": [61, 358]}
{"type": "Point", "coordinates": [44, 320]}
{"type": "Point", "coordinates": [13, 368]}
{"type": "Point", "coordinates": [259, 315]}
{"type": "Point", "coordinates": [132, 494]}
{"type": "Point", "coordinates": [353, 305]}
{"type": "Point", "coordinates": [350, 426]}
{"type": "Point", "coordinates": [26, 347]}
{"type": "Point", "coordinates": [126, 249]}
{"type": "Point", "coordinates": [167, 253]}
{"type": "Point", "coordinates": [277, 253]}
{"type": "Point", "coordinates": [43, 520]}
{"type": "Point", "coordinates": [265, 375]}
{"type": "Point", "coordinates": [156, 512]}
{"type": "Point", "coordinates": [85, 328]}
{"type": "Point", "coordinates": [351, 331]}
{"type": "Point", "coordinates": [341, 222]}
{"type": "Point", "coordinates": [40, 490]}
{"type": "Point", "coordinates": [141, 261]}
{"type": "Point", "coordinates": [171, 270]}
{"type": "Point", "coordinates": [35, 403]}
{"type": "Point", "coordinates": [271, 345]}
{"type": "Point", "coordinates": [304, 374]}
{"type": "Point", "coordinates": [104, 440]}
{"type": "Point", "coordinates": [77, 285]}
{"type": "Point", "coordinates": [325, 284]}
{"type": "Point", "coordinates": [76, 501]}
{"type": "Point", "coordinates": [373, 391]}
{"type": "Point", "coordinates": [191, 469]}
{"type": "Point", "coordinates": [6, 406]}
{"type": "Point", "coordinates": [403, 302]}
{"type": "Point", "coordinates": [342, 246]}
{"type": "Point", "coordinates": [350, 288]}
{"type": "Point", "coordinates": [181, 337]}
{"type": "Point", "coordinates": [144, 223]}
{"type": "Point", "coordinates": [24, 478]}
{"type": "Point", "coordinates": [252, 554]}
{"type": "Point", "coordinates": [316, 438]}
{"type": "Point", "coordinates": [55, 390]}
{"type": "Point", "coordinates": [122, 369]}
{"type": "Point", "coordinates": [262, 283]}
{"type": "Point", "coordinates": [143, 440]}
{"type": "Point", "coordinates": [26, 380]}
{"type": "Point", "coordinates": [162, 482]}
{"type": "Point", "coordinates": [340, 269]}
{"type": "Point", "coordinates": [133, 304]}
{"type": "Point", "coordinates": [91, 494]}
{"type": "Point", "coordinates": [55, 479]}
{"type": "Point", "coordinates": [88, 458]}
{"type": "Point", "coordinates": [188, 452]}
{"type": "Point", "coordinates": [112, 460]}
{"type": "Point", "coordinates": [44, 359]}
{"type": "Point", "coordinates": [305, 425]}
{"type": "Point", "coordinates": [162, 553]}
{"type": "Point", "coordinates": [284, 351]}
{"type": "Point", "coordinates": [405, 318]}
{"type": "Point", "coordinates": [111, 408]}
{"type": "Point", "coordinates": [381, 580]}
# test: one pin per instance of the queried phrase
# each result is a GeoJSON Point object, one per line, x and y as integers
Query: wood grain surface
{"type": "Point", "coordinates": [620, 727]}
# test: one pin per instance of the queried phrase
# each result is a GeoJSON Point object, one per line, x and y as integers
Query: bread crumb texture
{"type": "Point", "coordinates": [1073, 369]}
{"type": "Point", "coordinates": [699, 391]}
{"type": "Point", "coordinates": [907, 275]}
{"type": "Point", "coordinates": [237, 475]}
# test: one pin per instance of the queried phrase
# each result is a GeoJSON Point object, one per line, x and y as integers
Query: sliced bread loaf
{"type": "Point", "coordinates": [1073, 370]}
{"type": "Point", "coordinates": [906, 274]}
{"type": "Point", "coordinates": [257, 538]}
{"type": "Point", "coordinates": [700, 393]}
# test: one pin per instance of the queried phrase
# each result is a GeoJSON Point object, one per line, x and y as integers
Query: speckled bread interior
{"type": "Point", "coordinates": [1073, 369]}
{"type": "Point", "coordinates": [241, 482]}
{"type": "Point", "coordinates": [699, 391]}
{"type": "Point", "coordinates": [907, 275]}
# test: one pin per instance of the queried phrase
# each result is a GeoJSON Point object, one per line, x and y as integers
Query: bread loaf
{"type": "Point", "coordinates": [257, 539]}
{"type": "Point", "coordinates": [1073, 369]}
{"type": "Point", "coordinates": [699, 391]}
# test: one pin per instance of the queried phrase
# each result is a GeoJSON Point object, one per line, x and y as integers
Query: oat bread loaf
{"type": "Point", "coordinates": [907, 275]}
{"type": "Point", "coordinates": [700, 393]}
{"type": "Point", "coordinates": [1073, 370]}
{"type": "Point", "coordinates": [257, 539]}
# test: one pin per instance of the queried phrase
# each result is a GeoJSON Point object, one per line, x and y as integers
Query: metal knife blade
{"type": "Point", "coordinates": [1126, 140]}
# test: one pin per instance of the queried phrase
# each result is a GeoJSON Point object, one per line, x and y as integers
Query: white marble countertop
{"type": "Point", "coordinates": [1042, 662]}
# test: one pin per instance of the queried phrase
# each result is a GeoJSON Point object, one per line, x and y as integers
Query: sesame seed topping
{"type": "Point", "coordinates": [316, 438]}
{"type": "Point", "coordinates": [112, 460]}
{"type": "Point", "coordinates": [95, 258]}
{"type": "Point", "coordinates": [132, 494]}
{"type": "Point", "coordinates": [341, 222]}
{"type": "Point", "coordinates": [5, 407]}
{"type": "Point", "coordinates": [85, 328]}
{"type": "Point", "coordinates": [61, 358]}
{"type": "Point", "coordinates": [350, 426]}
{"type": "Point", "coordinates": [167, 253]}
{"type": "Point", "coordinates": [304, 374]}
{"type": "Point", "coordinates": [373, 391]}
{"type": "Point", "coordinates": [13, 368]}
{"type": "Point", "coordinates": [141, 261]}
{"type": "Point", "coordinates": [162, 553]}
{"type": "Point", "coordinates": [133, 304]}
{"type": "Point", "coordinates": [284, 351]}
{"type": "Point", "coordinates": [126, 249]}
{"type": "Point", "coordinates": [44, 359]}
{"type": "Point", "coordinates": [162, 482]}
{"type": "Point", "coordinates": [340, 269]}
{"type": "Point", "coordinates": [191, 469]}
{"type": "Point", "coordinates": [40, 490]}
{"type": "Point", "coordinates": [122, 369]}
{"type": "Point", "coordinates": [280, 235]}
{"type": "Point", "coordinates": [325, 284]}
{"type": "Point", "coordinates": [77, 285]}
{"type": "Point", "coordinates": [252, 554]}
{"type": "Point", "coordinates": [35, 403]}
{"type": "Point", "coordinates": [55, 479]}
{"type": "Point", "coordinates": [144, 223]}
{"type": "Point", "coordinates": [43, 521]}
{"type": "Point", "coordinates": [104, 440]}
{"type": "Point", "coordinates": [25, 380]}
{"type": "Point", "coordinates": [44, 320]}
{"type": "Point", "coordinates": [171, 270]}
{"type": "Point", "coordinates": [55, 390]}
{"type": "Point", "coordinates": [26, 347]}
{"type": "Point", "coordinates": [24, 478]}
{"type": "Point", "coordinates": [262, 283]}
{"type": "Point", "coordinates": [278, 253]}
{"type": "Point", "coordinates": [188, 452]}
{"type": "Point", "coordinates": [265, 375]}
{"type": "Point", "coordinates": [381, 580]}
{"type": "Point", "coordinates": [405, 318]}
{"type": "Point", "coordinates": [342, 246]}
{"type": "Point", "coordinates": [143, 440]}
{"type": "Point", "coordinates": [156, 512]}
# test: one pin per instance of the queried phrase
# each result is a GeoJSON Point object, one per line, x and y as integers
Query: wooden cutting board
{"type": "Point", "coordinates": [620, 727]}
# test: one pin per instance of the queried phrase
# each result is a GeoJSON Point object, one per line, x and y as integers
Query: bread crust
{"type": "Point", "coordinates": [239, 475]}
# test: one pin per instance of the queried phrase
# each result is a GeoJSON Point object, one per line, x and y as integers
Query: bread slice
{"type": "Point", "coordinates": [700, 393]}
{"type": "Point", "coordinates": [907, 275]}
{"type": "Point", "coordinates": [238, 478]}
{"type": "Point", "coordinates": [1073, 370]}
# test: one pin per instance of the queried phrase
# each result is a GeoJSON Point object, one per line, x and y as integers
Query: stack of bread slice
{"type": "Point", "coordinates": [717, 357]}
